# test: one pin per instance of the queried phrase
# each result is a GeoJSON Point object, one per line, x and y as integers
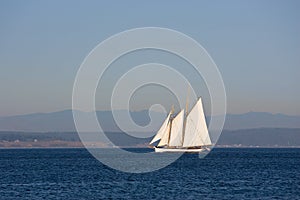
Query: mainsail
{"type": "Point", "coordinates": [196, 133]}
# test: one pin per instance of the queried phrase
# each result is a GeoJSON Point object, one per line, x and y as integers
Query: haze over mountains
{"type": "Point", "coordinates": [262, 137]}
{"type": "Point", "coordinates": [63, 121]}
{"type": "Point", "coordinates": [57, 129]}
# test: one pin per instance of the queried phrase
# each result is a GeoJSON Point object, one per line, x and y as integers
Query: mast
{"type": "Point", "coordinates": [186, 114]}
{"type": "Point", "coordinates": [172, 111]}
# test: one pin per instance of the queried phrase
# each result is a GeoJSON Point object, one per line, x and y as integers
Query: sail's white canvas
{"type": "Point", "coordinates": [176, 130]}
{"type": "Point", "coordinates": [165, 138]}
{"type": "Point", "coordinates": [162, 130]}
{"type": "Point", "coordinates": [196, 133]}
{"type": "Point", "coordinates": [182, 132]}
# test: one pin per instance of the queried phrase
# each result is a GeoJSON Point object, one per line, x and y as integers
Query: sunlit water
{"type": "Point", "coordinates": [223, 174]}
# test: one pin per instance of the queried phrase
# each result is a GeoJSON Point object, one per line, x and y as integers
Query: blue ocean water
{"type": "Point", "coordinates": [223, 174]}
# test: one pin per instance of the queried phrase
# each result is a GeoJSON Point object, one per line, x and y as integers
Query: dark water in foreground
{"type": "Point", "coordinates": [223, 174]}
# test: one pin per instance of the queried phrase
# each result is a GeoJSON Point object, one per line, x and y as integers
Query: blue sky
{"type": "Point", "coordinates": [255, 44]}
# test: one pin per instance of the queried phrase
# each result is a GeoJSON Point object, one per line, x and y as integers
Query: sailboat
{"type": "Point", "coordinates": [186, 132]}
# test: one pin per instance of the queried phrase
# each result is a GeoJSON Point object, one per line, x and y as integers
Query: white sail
{"type": "Point", "coordinates": [165, 137]}
{"type": "Point", "coordinates": [196, 133]}
{"type": "Point", "coordinates": [176, 130]}
{"type": "Point", "coordinates": [162, 130]}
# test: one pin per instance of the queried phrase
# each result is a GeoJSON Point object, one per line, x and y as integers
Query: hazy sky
{"type": "Point", "coordinates": [255, 44]}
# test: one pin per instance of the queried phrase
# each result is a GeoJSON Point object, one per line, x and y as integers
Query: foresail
{"type": "Point", "coordinates": [165, 138]}
{"type": "Point", "coordinates": [196, 132]}
{"type": "Point", "coordinates": [162, 130]}
{"type": "Point", "coordinates": [176, 130]}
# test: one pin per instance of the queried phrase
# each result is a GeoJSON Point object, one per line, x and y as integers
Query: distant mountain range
{"type": "Point", "coordinates": [63, 121]}
{"type": "Point", "coordinates": [262, 137]}
{"type": "Point", "coordinates": [57, 129]}
{"type": "Point", "coordinates": [260, 120]}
